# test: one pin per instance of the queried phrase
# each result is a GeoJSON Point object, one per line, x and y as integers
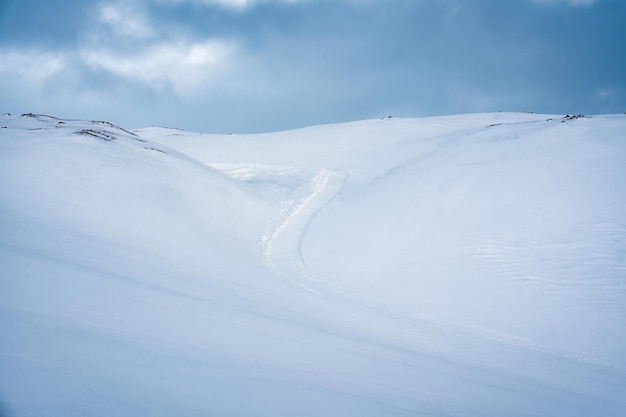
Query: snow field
{"type": "Point", "coordinates": [462, 265]}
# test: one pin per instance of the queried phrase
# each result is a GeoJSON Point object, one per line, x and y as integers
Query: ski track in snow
{"type": "Point", "coordinates": [303, 192]}
{"type": "Point", "coordinates": [282, 247]}
{"type": "Point", "coordinates": [282, 251]}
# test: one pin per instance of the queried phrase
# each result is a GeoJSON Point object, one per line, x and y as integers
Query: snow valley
{"type": "Point", "coordinates": [468, 265]}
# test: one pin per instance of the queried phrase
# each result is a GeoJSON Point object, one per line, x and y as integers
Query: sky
{"type": "Point", "coordinates": [244, 66]}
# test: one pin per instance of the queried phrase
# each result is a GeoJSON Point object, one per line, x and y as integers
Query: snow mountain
{"type": "Point", "coordinates": [468, 265]}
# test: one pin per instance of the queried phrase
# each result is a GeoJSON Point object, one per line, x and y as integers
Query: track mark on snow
{"type": "Point", "coordinates": [282, 247]}
{"type": "Point", "coordinates": [302, 192]}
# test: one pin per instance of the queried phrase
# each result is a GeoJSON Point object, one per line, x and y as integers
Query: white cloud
{"type": "Point", "coordinates": [231, 4]}
{"type": "Point", "coordinates": [125, 21]}
{"type": "Point", "coordinates": [123, 43]}
{"type": "Point", "coordinates": [185, 67]}
{"type": "Point", "coordinates": [35, 67]}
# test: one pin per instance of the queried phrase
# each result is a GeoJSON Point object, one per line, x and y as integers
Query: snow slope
{"type": "Point", "coordinates": [468, 265]}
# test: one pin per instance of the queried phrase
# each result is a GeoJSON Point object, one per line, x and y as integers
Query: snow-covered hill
{"type": "Point", "coordinates": [467, 265]}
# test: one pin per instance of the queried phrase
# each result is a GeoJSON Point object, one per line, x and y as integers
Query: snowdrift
{"type": "Point", "coordinates": [465, 265]}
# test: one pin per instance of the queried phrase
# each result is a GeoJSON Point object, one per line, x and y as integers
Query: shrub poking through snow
{"type": "Point", "coordinates": [99, 134]}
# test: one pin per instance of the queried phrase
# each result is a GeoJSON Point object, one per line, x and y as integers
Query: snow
{"type": "Point", "coordinates": [467, 265]}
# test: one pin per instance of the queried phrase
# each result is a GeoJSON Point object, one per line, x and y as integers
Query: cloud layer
{"type": "Point", "coordinates": [258, 65]}
{"type": "Point", "coordinates": [183, 65]}
{"type": "Point", "coordinates": [232, 4]}
{"type": "Point", "coordinates": [32, 66]}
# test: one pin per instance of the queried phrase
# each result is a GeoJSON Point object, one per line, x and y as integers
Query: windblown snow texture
{"type": "Point", "coordinates": [468, 265]}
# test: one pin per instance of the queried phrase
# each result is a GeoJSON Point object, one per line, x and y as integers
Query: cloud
{"type": "Point", "coordinates": [126, 44]}
{"type": "Point", "coordinates": [230, 4]}
{"type": "Point", "coordinates": [244, 4]}
{"type": "Point", "coordinates": [125, 21]}
{"type": "Point", "coordinates": [185, 67]}
{"type": "Point", "coordinates": [122, 42]}
{"type": "Point", "coordinates": [33, 66]}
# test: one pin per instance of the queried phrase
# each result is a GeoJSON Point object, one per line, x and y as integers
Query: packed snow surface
{"type": "Point", "coordinates": [470, 265]}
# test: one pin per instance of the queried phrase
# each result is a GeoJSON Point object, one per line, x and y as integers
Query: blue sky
{"type": "Point", "coordinates": [267, 65]}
